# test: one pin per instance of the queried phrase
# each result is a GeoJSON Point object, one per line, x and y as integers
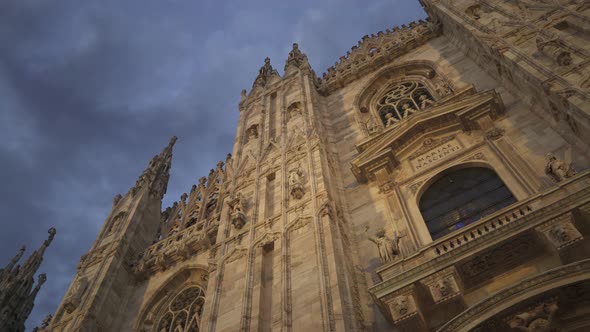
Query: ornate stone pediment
{"type": "Point", "coordinates": [460, 113]}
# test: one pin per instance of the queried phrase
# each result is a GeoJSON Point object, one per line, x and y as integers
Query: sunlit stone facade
{"type": "Point", "coordinates": [436, 178]}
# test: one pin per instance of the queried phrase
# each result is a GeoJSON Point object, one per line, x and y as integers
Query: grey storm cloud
{"type": "Point", "coordinates": [91, 90]}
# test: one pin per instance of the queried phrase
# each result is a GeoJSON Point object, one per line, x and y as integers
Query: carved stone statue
{"type": "Point", "coordinates": [388, 248]}
{"type": "Point", "coordinates": [537, 319]}
{"type": "Point", "coordinates": [296, 183]}
{"type": "Point", "coordinates": [252, 132]}
{"type": "Point", "coordinates": [557, 169]}
{"type": "Point", "coordinates": [407, 110]}
{"type": "Point", "coordinates": [265, 72]}
{"type": "Point", "coordinates": [237, 215]}
{"type": "Point", "coordinates": [389, 120]}
{"type": "Point", "coordinates": [296, 58]}
{"type": "Point", "coordinates": [425, 101]}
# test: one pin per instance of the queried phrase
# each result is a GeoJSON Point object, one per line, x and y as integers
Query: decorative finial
{"type": "Point", "coordinates": [117, 199]}
{"type": "Point", "coordinates": [41, 279]}
{"type": "Point", "coordinates": [296, 58]}
{"type": "Point", "coordinates": [51, 232]}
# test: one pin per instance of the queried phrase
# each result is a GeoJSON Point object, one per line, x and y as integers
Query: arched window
{"type": "Point", "coordinates": [461, 197]}
{"type": "Point", "coordinates": [402, 100]}
{"type": "Point", "coordinates": [183, 313]}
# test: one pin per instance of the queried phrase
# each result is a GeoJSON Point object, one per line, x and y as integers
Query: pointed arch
{"type": "Point", "coordinates": [153, 310]}
{"type": "Point", "coordinates": [461, 195]}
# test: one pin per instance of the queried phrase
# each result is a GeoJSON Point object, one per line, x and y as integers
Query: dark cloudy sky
{"type": "Point", "coordinates": [91, 90]}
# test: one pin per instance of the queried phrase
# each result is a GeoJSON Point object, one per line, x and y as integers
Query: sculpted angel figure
{"type": "Point", "coordinates": [388, 248]}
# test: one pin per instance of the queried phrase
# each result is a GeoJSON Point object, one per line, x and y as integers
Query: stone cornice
{"type": "Point", "coordinates": [374, 51]}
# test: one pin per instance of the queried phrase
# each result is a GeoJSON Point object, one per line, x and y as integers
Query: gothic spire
{"type": "Point", "coordinates": [156, 175]}
{"type": "Point", "coordinates": [13, 262]}
{"type": "Point", "coordinates": [34, 261]}
{"type": "Point", "coordinates": [17, 294]}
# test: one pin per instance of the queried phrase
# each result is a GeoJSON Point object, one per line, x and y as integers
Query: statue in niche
{"type": "Point", "coordinates": [296, 183]}
{"type": "Point", "coordinates": [407, 109]}
{"type": "Point", "coordinates": [179, 326]}
{"type": "Point", "coordinates": [237, 215]}
{"type": "Point", "coordinates": [425, 101]}
{"type": "Point", "coordinates": [388, 248]}
{"type": "Point", "coordinates": [252, 132]}
{"type": "Point", "coordinates": [557, 169]}
{"type": "Point", "coordinates": [389, 120]}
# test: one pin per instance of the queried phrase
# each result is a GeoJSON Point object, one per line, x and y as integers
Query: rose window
{"type": "Point", "coordinates": [403, 100]}
{"type": "Point", "coordinates": [183, 313]}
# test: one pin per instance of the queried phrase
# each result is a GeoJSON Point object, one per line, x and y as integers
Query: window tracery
{"type": "Point", "coordinates": [183, 313]}
{"type": "Point", "coordinates": [401, 101]}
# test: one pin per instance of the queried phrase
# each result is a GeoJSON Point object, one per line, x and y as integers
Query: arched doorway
{"type": "Point", "coordinates": [460, 197]}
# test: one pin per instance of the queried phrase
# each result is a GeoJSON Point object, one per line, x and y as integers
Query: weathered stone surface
{"type": "Point", "coordinates": [276, 237]}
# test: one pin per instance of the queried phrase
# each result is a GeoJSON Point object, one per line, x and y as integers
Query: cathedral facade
{"type": "Point", "coordinates": [434, 179]}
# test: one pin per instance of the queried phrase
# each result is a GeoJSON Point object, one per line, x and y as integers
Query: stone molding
{"type": "Point", "coordinates": [477, 313]}
{"type": "Point", "coordinates": [462, 114]}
